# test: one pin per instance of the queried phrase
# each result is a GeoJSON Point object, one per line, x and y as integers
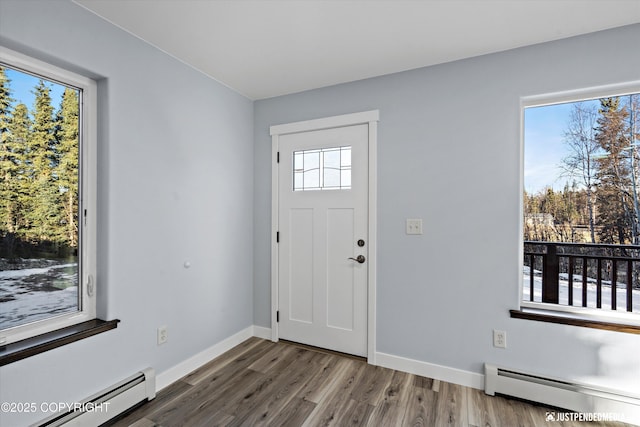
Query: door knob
{"type": "Point", "coordinates": [359, 259]}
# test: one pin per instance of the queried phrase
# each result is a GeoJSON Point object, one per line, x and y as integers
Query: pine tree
{"type": "Point", "coordinates": [22, 175]}
{"type": "Point", "coordinates": [45, 212]}
{"type": "Point", "coordinates": [67, 133]}
{"type": "Point", "coordinates": [614, 174]}
{"type": "Point", "coordinates": [7, 163]}
{"type": "Point", "coordinates": [556, 216]}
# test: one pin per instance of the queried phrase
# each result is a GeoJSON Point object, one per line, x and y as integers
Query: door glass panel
{"type": "Point", "coordinates": [345, 177]}
{"type": "Point", "coordinates": [322, 169]}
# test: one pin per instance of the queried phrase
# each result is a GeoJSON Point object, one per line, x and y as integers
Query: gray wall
{"type": "Point", "coordinates": [173, 185]}
{"type": "Point", "coordinates": [449, 152]}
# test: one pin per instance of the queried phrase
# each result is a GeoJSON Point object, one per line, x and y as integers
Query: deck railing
{"type": "Point", "coordinates": [612, 269]}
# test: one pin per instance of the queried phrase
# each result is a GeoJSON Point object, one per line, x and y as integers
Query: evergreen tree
{"type": "Point", "coordinates": [7, 165]}
{"type": "Point", "coordinates": [19, 173]}
{"type": "Point", "coordinates": [67, 133]}
{"type": "Point", "coordinates": [614, 174]}
{"type": "Point", "coordinates": [45, 212]}
{"type": "Point", "coordinates": [568, 214]}
{"type": "Point", "coordinates": [5, 105]}
{"type": "Point", "coordinates": [556, 216]}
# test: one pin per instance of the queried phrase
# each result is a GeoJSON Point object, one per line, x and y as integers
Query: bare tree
{"type": "Point", "coordinates": [583, 147]}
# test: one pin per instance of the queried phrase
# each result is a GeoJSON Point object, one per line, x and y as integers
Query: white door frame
{"type": "Point", "coordinates": [367, 117]}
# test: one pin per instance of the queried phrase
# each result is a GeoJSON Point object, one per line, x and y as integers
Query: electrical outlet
{"type": "Point", "coordinates": [414, 226]}
{"type": "Point", "coordinates": [163, 335]}
{"type": "Point", "coordinates": [499, 339]}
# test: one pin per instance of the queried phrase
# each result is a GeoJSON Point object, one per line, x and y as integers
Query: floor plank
{"type": "Point", "coordinates": [371, 386]}
{"type": "Point", "coordinates": [285, 386]}
{"type": "Point", "coordinates": [261, 383]}
{"type": "Point", "coordinates": [325, 380]}
{"type": "Point", "coordinates": [480, 411]}
{"type": "Point", "coordinates": [419, 407]}
{"type": "Point", "coordinates": [203, 400]}
{"type": "Point", "coordinates": [222, 361]}
{"type": "Point", "coordinates": [144, 423]}
{"type": "Point", "coordinates": [294, 413]}
{"type": "Point", "coordinates": [390, 411]}
{"type": "Point", "coordinates": [167, 396]}
{"type": "Point", "coordinates": [332, 407]}
{"type": "Point", "coordinates": [451, 406]}
{"type": "Point", "coordinates": [356, 413]}
{"type": "Point", "coordinates": [272, 358]}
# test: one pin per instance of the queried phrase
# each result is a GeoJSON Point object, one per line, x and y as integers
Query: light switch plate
{"type": "Point", "coordinates": [414, 226]}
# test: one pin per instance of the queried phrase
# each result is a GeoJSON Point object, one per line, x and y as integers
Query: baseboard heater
{"type": "Point", "coordinates": [107, 404]}
{"type": "Point", "coordinates": [574, 396]}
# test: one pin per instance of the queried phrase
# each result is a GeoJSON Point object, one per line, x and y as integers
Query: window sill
{"type": "Point", "coordinates": [573, 320]}
{"type": "Point", "coordinates": [39, 344]}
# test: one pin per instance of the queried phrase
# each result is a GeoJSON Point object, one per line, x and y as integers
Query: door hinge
{"type": "Point", "coordinates": [278, 316]}
{"type": "Point", "coordinates": [278, 157]}
{"type": "Point", "coordinates": [277, 237]}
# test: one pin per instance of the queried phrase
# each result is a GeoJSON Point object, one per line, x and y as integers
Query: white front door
{"type": "Point", "coordinates": [323, 237]}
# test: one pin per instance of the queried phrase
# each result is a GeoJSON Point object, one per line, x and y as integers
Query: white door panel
{"type": "Point", "coordinates": [322, 292]}
{"type": "Point", "coordinates": [301, 265]}
{"type": "Point", "coordinates": [340, 270]}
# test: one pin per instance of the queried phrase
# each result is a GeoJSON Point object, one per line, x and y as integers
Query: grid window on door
{"type": "Point", "coordinates": [322, 169]}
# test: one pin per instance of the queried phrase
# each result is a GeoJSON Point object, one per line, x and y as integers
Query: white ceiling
{"type": "Point", "coordinates": [266, 48]}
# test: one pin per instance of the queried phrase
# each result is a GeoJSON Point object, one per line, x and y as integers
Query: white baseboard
{"type": "Point", "coordinates": [178, 371]}
{"type": "Point", "coordinates": [425, 369]}
{"type": "Point", "coordinates": [431, 370]}
{"type": "Point", "coordinates": [262, 332]}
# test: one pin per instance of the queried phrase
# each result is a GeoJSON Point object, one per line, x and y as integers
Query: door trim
{"type": "Point", "coordinates": [367, 117]}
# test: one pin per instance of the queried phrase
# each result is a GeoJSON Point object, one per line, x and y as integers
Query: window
{"type": "Point", "coordinates": [581, 207]}
{"type": "Point", "coordinates": [322, 169]}
{"type": "Point", "coordinates": [47, 185]}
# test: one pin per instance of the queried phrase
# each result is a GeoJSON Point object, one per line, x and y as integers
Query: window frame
{"type": "Point", "coordinates": [87, 197]}
{"type": "Point", "coordinates": [542, 309]}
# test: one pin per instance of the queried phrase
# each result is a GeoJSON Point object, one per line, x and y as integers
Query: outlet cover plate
{"type": "Point", "coordinates": [163, 335]}
{"type": "Point", "coordinates": [414, 225]}
{"type": "Point", "coordinates": [499, 339]}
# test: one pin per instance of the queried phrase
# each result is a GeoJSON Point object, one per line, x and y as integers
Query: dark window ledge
{"type": "Point", "coordinates": [39, 344]}
{"type": "Point", "coordinates": [574, 321]}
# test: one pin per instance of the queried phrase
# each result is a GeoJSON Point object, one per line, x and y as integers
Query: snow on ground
{"type": "Point", "coordinates": [34, 289]}
{"type": "Point", "coordinates": [621, 291]}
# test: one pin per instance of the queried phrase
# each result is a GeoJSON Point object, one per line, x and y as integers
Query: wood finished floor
{"type": "Point", "coordinates": [260, 383]}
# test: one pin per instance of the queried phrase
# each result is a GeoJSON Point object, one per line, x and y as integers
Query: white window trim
{"type": "Point", "coordinates": [587, 313]}
{"type": "Point", "coordinates": [87, 197]}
